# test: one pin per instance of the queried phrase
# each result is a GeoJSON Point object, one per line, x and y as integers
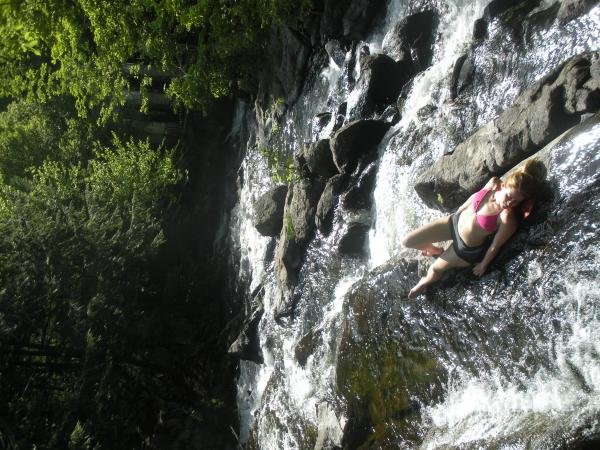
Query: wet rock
{"type": "Point", "coordinates": [307, 345]}
{"type": "Point", "coordinates": [498, 7]}
{"type": "Point", "coordinates": [289, 52]}
{"type": "Point", "coordinates": [381, 80]}
{"type": "Point", "coordinates": [340, 117]}
{"type": "Point", "coordinates": [336, 51]}
{"type": "Point", "coordinates": [403, 95]}
{"type": "Point", "coordinates": [268, 211]}
{"type": "Point", "coordinates": [462, 75]}
{"type": "Point", "coordinates": [360, 194]}
{"type": "Point", "coordinates": [354, 140]}
{"type": "Point", "coordinates": [538, 115]}
{"type": "Point", "coordinates": [348, 19]}
{"type": "Point", "coordinates": [359, 16]}
{"type": "Point", "coordinates": [354, 240]}
{"type": "Point", "coordinates": [480, 30]}
{"type": "Point", "coordinates": [426, 112]}
{"type": "Point", "coordinates": [411, 40]}
{"type": "Point", "coordinates": [383, 360]}
{"type": "Point", "coordinates": [391, 115]}
{"type": "Point", "coordinates": [327, 202]}
{"type": "Point", "coordinates": [321, 120]}
{"type": "Point", "coordinates": [571, 9]}
{"type": "Point", "coordinates": [247, 344]}
{"type": "Point", "coordinates": [319, 159]}
{"type": "Point", "coordinates": [298, 227]}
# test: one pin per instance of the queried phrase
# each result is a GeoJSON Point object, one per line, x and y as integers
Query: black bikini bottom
{"type": "Point", "coordinates": [469, 254]}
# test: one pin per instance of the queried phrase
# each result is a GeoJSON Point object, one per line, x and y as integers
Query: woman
{"type": "Point", "coordinates": [479, 228]}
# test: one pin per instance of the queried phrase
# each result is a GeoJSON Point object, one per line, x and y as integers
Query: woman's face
{"type": "Point", "coordinates": [509, 197]}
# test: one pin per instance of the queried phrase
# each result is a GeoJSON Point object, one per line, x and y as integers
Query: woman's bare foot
{"type": "Point", "coordinates": [432, 250]}
{"type": "Point", "coordinates": [418, 289]}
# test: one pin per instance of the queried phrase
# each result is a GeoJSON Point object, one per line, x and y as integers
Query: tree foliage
{"type": "Point", "coordinates": [80, 47]}
{"type": "Point", "coordinates": [78, 313]}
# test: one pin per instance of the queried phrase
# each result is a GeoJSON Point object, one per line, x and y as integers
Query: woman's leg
{"type": "Point", "coordinates": [447, 260]}
{"type": "Point", "coordinates": [423, 238]}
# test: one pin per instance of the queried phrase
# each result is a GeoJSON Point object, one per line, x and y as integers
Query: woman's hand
{"type": "Point", "coordinates": [479, 269]}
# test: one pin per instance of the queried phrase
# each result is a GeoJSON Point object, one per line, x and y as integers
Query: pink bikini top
{"type": "Point", "coordinates": [488, 223]}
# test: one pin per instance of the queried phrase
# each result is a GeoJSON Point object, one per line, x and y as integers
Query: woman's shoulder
{"type": "Point", "coordinates": [509, 215]}
{"type": "Point", "coordinates": [493, 184]}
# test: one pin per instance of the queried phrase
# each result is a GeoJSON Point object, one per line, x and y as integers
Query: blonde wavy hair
{"type": "Point", "coordinates": [528, 179]}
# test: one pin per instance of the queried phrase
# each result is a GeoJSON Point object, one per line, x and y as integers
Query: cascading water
{"type": "Point", "coordinates": [545, 320]}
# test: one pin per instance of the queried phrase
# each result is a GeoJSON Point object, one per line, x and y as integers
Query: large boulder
{"type": "Point", "coordinates": [411, 40]}
{"type": "Point", "coordinates": [298, 228]}
{"type": "Point", "coordinates": [327, 203]}
{"type": "Point", "coordinates": [353, 241]}
{"type": "Point", "coordinates": [348, 19]}
{"type": "Point", "coordinates": [268, 211]}
{"type": "Point", "coordinates": [354, 140]}
{"type": "Point", "coordinates": [462, 75]}
{"type": "Point", "coordinates": [247, 344]}
{"type": "Point", "coordinates": [289, 52]}
{"type": "Point", "coordinates": [538, 115]}
{"type": "Point", "coordinates": [360, 194]}
{"type": "Point", "coordinates": [319, 159]}
{"type": "Point", "coordinates": [380, 82]}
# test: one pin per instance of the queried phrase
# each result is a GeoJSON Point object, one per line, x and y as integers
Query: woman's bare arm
{"type": "Point", "coordinates": [508, 226]}
{"type": "Point", "coordinates": [466, 204]}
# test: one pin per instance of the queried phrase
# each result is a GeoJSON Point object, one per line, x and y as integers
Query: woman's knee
{"type": "Point", "coordinates": [407, 241]}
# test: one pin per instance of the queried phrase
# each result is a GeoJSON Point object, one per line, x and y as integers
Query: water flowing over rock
{"type": "Point", "coordinates": [538, 115]}
{"type": "Point", "coordinates": [391, 349]}
{"type": "Point", "coordinates": [411, 40]}
{"type": "Point", "coordinates": [298, 228]}
{"type": "Point", "coordinates": [348, 361]}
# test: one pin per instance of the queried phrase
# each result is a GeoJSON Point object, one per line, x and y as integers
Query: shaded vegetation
{"type": "Point", "coordinates": [111, 304]}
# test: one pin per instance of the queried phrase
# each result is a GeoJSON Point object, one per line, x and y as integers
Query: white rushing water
{"type": "Point", "coordinates": [283, 401]}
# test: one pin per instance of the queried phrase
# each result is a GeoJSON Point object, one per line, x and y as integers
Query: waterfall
{"type": "Point", "coordinates": [292, 400]}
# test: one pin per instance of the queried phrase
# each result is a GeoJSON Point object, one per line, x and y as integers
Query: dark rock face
{"type": "Point", "coordinates": [498, 7]}
{"type": "Point", "coordinates": [462, 75]}
{"type": "Point", "coordinates": [321, 120]}
{"type": "Point", "coordinates": [268, 211]}
{"type": "Point", "coordinates": [360, 193]}
{"type": "Point", "coordinates": [289, 53]}
{"type": "Point", "coordinates": [391, 115]}
{"type": "Point", "coordinates": [298, 228]}
{"type": "Point", "coordinates": [307, 345]}
{"type": "Point", "coordinates": [539, 114]}
{"type": "Point", "coordinates": [336, 51]}
{"type": "Point", "coordinates": [411, 40]}
{"type": "Point", "coordinates": [327, 202]}
{"type": "Point", "coordinates": [354, 140]}
{"type": "Point", "coordinates": [480, 31]}
{"type": "Point", "coordinates": [247, 345]}
{"type": "Point", "coordinates": [359, 17]}
{"type": "Point", "coordinates": [348, 19]}
{"type": "Point", "coordinates": [319, 159]}
{"type": "Point", "coordinates": [354, 240]}
{"type": "Point", "coordinates": [571, 9]}
{"type": "Point", "coordinates": [381, 80]}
